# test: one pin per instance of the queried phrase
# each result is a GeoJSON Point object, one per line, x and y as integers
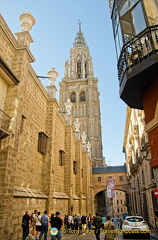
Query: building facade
{"type": "Point", "coordinates": [140, 175]}
{"type": "Point", "coordinates": [137, 54]}
{"type": "Point", "coordinates": [103, 202]}
{"type": "Point", "coordinates": [81, 87]}
{"type": "Point", "coordinates": [44, 164]}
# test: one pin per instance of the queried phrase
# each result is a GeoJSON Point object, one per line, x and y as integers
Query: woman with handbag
{"type": "Point", "coordinates": [110, 228]}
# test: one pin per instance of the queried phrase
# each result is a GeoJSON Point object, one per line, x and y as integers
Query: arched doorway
{"type": "Point", "coordinates": [111, 206]}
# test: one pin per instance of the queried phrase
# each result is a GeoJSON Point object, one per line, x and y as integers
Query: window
{"type": "Point", "coordinates": [22, 123]}
{"type": "Point", "coordinates": [117, 201]}
{"type": "Point", "coordinates": [42, 142]}
{"type": "Point", "coordinates": [61, 157]}
{"type": "Point", "coordinates": [75, 167]}
{"type": "Point", "coordinates": [120, 178]}
{"type": "Point", "coordinates": [82, 96]}
{"type": "Point", "coordinates": [73, 97]}
{"type": "Point", "coordinates": [81, 173]}
{"type": "Point", "coordinates": [99, 179]}
{"type": "Point", "coordinates": [79, 69]}
{"type": "Point", "coordinates": [85, 70]}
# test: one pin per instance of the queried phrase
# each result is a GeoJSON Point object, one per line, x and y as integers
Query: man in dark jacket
{"type": "Point", "coordinates": [56, 223]}
{"type": "Point", "coordinates": [25, 224]}
{"type": "Point", "coordinates": [97, 223]}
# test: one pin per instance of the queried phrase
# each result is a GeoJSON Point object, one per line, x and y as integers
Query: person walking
{"type": "Point", "coordinates": [25, 224]}
{"type": "Point", "coordinates": [56, 222]}
{"type": "Point", "coordinates": [75, 222]}
{"type": "Point", "coordinates": [114, 220]}
{"type": "Point", "coordinates": [89, 222]}
{"type": "Point", "coordinates": [97, 223]}
{"type": "Point", "coordinates": [38, 225]}
{"type": "Point", "coordinates": [44, 225]}
{"type": "Point", "coordinates": [109, 226]}
{"type": "Point", "coordinates": [103, 221]}
{"type": "Point", "coordinates": [69, 222]}
{"type": "Point", "coordinates": [33, 223]}
{"type": "Point", "coordinates": [83, 222]}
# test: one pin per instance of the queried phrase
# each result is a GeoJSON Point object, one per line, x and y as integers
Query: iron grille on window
{"type": "Point", "coordinates": [42, 142]}
{"type": "Point", "coordinates": [75, 167]}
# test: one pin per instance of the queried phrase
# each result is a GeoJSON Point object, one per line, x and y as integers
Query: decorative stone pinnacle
{"type": "Point", "coordinates": [77, 125]}
{"type": "Point", "coordinates": [68, 106]}
{"type": "Point", "coordinates": [83, 136]}
{"type": "Point", "coordinates": [53, 75]}
{"type": "Point", "coordinates": [88, 147]}
{"type": "Point", "coordinates": [26, 21]}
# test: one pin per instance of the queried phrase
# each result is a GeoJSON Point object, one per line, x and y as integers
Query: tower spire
{"type": "Point", "coordinates": [79, 23]}
{"type": "Point", "coordinates": [79, 39]}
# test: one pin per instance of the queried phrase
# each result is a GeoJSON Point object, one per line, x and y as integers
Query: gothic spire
{"type": "Point", "coordinates": [79, 39]}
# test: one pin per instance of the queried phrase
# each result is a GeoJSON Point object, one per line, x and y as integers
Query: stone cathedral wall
{"type": "Point", "coordinates": [31, 176]}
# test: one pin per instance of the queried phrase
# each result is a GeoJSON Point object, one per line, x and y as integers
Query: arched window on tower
{"type": "Point", "coordinates": [79, 69]}
{"type": "Point", "coordinates": [73, 97]}
{"type": "Point", "coordinates": [86, 70]}
{"type": "Point", "coordinates": [82, 96]}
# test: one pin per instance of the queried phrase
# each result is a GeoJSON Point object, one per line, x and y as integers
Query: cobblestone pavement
{"type": "Point", "coordinates": [80, 237]}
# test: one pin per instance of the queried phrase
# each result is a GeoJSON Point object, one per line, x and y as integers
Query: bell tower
{"type": "Point", "coordinates": [80, 86]}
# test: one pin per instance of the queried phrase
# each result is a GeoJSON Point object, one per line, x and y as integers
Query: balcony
{"type": "Point", "coordinates": [4, 124]}
{"type": "Point", "coordinates": [138, 66]}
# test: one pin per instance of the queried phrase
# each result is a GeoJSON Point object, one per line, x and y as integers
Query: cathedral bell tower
{"type": "Point", "coordinates": [80, 86]}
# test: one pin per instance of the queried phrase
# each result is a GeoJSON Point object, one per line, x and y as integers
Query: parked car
{"type": "Point", "coordinates": [135, 225]}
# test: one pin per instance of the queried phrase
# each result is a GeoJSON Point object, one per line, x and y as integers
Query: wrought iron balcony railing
{"type": "Point", "coordinates": [4, 124]}
{"type": "Point", "coordinates": [137, 50]}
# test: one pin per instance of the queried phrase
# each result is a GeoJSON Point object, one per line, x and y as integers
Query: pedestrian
{"type": "Point", "coordinates": [89, 221]}
{"type": "Point", "coordinates": [79, 225]}
{"type": "Point", "coordinates": [33, 223]}
{"type": "Point", "coordinates": [69, 222]}
{"type": "Point", "coordinates": [156, 218]}
{"type": "Point", "coordinates": [76, 222]}
{"type": "Point", "coordinates": [56, 222]}
{"type": "Point", "coordinates": [38, 225]}
{"type": "Point", "coordinates": [25, 224]}
{"type": "Point", "coordinates": [52, 216]}
{"type": "Point", "coordinates": [119, 221]}
{"type": "Point", "coordinates": [44, 225]}
{"type": "Point", "coordinates": [114, 220]}
{"type": "Point", "coordinates": [109, 226]}
{"type": "Point", "coordinates": [83, 222]}
{"type": "Point", "coordinates": [103, 221]}
{"type": "Point", "coordinates": [66, 221]}
{"type": "Point", "coordinates": [97, 223]}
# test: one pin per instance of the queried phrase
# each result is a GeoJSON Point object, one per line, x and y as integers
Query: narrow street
{"type": "Point", "coordinates": [92, 237]}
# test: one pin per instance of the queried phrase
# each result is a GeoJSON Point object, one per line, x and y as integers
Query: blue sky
{"type": "Point", "coordinates": [53, 34]}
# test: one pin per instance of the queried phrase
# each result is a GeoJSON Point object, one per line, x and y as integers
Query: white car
{"type": "Point", "coordinates": [135, 225]}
